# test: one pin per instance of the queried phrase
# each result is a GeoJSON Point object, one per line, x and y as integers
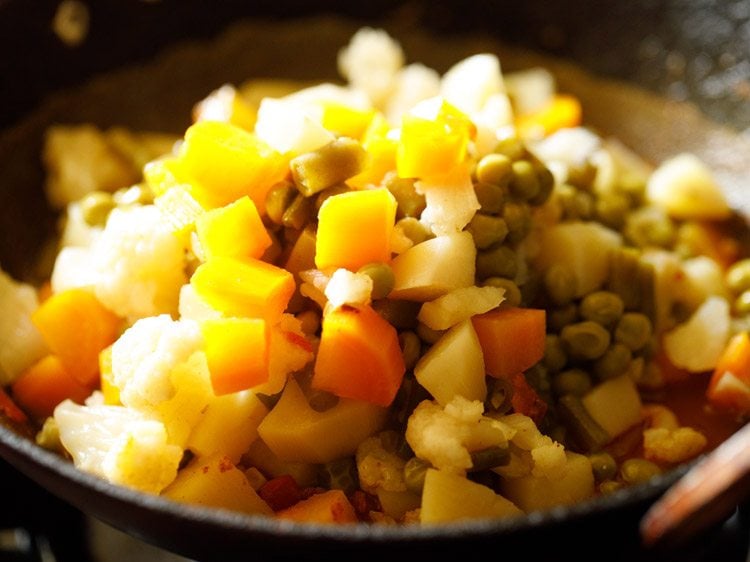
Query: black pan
{"type": "Point", "coordinates": [635, 66]}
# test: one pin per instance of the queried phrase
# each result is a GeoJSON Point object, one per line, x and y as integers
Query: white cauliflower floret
{"type": "Point", "coordinates": [22, 342]}
{"type": "Point", "coordinates": [413, 84]}
{"type": "Point", "coordinates": [547, 457]}
{"type": "Point", "coordinates": [139, 264]}
{"type": "Point", "coordinates": [672, 445]}
{"type": "Point", "coordinates": [144, 357]}
{"type": "Point", "coordinates": [378, 467]}
{"type": "Point", "coordinates": [346, 287]}
{"type": "Point", "coordinates": [445, 437]}
{"type": "Point", "coordinates": [119, 444]}
{"type": "Point", "coordinates": [370, 63]}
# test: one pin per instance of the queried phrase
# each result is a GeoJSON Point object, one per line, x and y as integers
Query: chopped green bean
{"type": "Point", "coordinates": [499, 396]}
{"type": "Point", "coordinates": [332, 163]}
{"type": "Point", "coordinates": [278, 200]}
{"type": "Point", "coordinates": [414, 229]}
{"type": "Point", "coordinates": [410, 203]}
{"type": "Point", "coordinates": [490, 457]}
{"type": "Point", "coordinates": [588, 434]}
{"type": "Point", "coordinates": [299, 212]}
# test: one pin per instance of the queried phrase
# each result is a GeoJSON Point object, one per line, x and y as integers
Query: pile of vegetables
{"type": "Point", "coordinates": [410, 298]}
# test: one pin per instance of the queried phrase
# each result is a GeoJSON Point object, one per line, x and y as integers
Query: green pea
{"type": "Point", "coordinates": [634, 330]}
{"type": "Point", "coordinates": [559, 317]}
{"type": "Point", "coordinates": [382, 278]}
{"type": "Point", "coordinates": [512, 147]}
{"type": "Point", "coordinates": [340, 474]}
{"type": "Point", "coordinates": [512, 292]}
{"type": "Point", "coordinates": [409, 202]}
{"type": "Point", "coordinates": [415, 470]}
{"type": "Point", "coordinates": [637, 471]}
{"type": "Point", "coordinates": [517, 217]}
{"type": "Point", "coordinates": [330, 164]}
{"type": "Point", "coordinates": [604, 466]}
{"type": "Point", "coordinates": [278, 200]}
{"type": "Point", "coordinates": [742, 303]}
{"type": "Point", "coordinates": [571, 381]}
{"type": "Point", "coordinates": [495, 169]}
{"type": "Point", "coordinates": [299, 212]}
{"type": "Point", "coordinates": [491, 197]}
{"type": "Point", "coordinates": [546, 184]}
{"type": "Point", "coordinates": [411, 348]}
{"type": "Point", "coordinates": [612, 209]}
{"type": "Point", "coordinates": [414, 229]}
{"type": "Point", "coordinates": [500, 261]}
{"type": "Point", "coordinates": [560, 284]}
{"type": "Point", "coordinates": [96, 206]}
{"type": "Point", "coordinates": [524, 183]}
{"type": "Point", "coordinates": [738, 276]}
{"type": "Point", "coordinates": [427, 334]}
{"type": "Point", "coordinates": [490, 457]}
{"type": "Point", "coordinates": [614, 362]}
{"type": "Point", "coordinates": [610, 486]}
{"type": "Point", "coordinates": [585, 339]}
{"type": "Point", "coordinates": [487, 230]}
{"type": "Point", "coordinates": [603, 307]}
{"type": "Point", "coordinates": [555, 357]}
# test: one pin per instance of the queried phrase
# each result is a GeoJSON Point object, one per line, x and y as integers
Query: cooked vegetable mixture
{"type": "Point", "coordinates": [411, 298]}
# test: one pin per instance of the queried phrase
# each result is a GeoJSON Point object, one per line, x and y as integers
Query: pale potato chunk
{"type": "Point", "coordinates": [685, 188]}
{"type": "Point", "coordinates": [449, 497]}
{"type": "Point", "coordinates": [532, 493]}
{"type": "Point", "coordinates": [614, 404]}
{"type": "Point", "coordinates": [454, 366]}
{"type": "Point", "coordinates": [434, 267]}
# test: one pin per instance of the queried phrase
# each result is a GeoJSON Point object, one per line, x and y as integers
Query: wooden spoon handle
{"type": "Point", "coordinates": [705, 495]}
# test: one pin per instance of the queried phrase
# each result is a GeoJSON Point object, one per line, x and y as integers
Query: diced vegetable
{"type": "Point", "coordinates": [234, 231]}
{"type": "Point", "coordinates": [327, 166]}
{"type": "Point", "coordinates": [454, 366]}
{"type": "Point", "coordinates": [45, 384]}
{"type": "Point", "coordinates": [562, 111]}
{"type": "Point", "coordinates": [434, 139]}
{"type": "Point", "coordinates": [355, 229]}
{"type": "Point", "coordinates": [296, 432]}
{"type": "Point", "coordinates": [236, 352]}
{"type": "Point", "coordinates": [684, 187]}
{"type": "Point", "coordinates": [77, 327]}
{"type": "Point", "coordinates": [226, 104]}
{"type": "Point", "coordinates": [244, 288]}
{"type": "Point", "coordinates": [615, 405]}
{"type": "Point", "coordinates": [434, 267]}
{"type": "Point", "coordinates": [449, 497]}
{"type": "Point", "coordinates": [534, 493]}
{"type": "Point", "coordinates": [229, 426]}
{"type": "Point", "coordinates": [459, 305]}
{"type": "Point", "coordinates": [359, 356]}
{"type": "Point", "coordinates": [224, 162]}
{"type": "Point", "coordinates": [729, 387]}
{"type": "Point", "coordinates": [215, 481]}
{"type": "Point", "coordinates": [512, 339]}
{"type": "Point", "coordinates": [327, 507]}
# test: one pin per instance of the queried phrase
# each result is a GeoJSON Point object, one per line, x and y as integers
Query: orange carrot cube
{"type": "Point", "coordinates": [234, 231]}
